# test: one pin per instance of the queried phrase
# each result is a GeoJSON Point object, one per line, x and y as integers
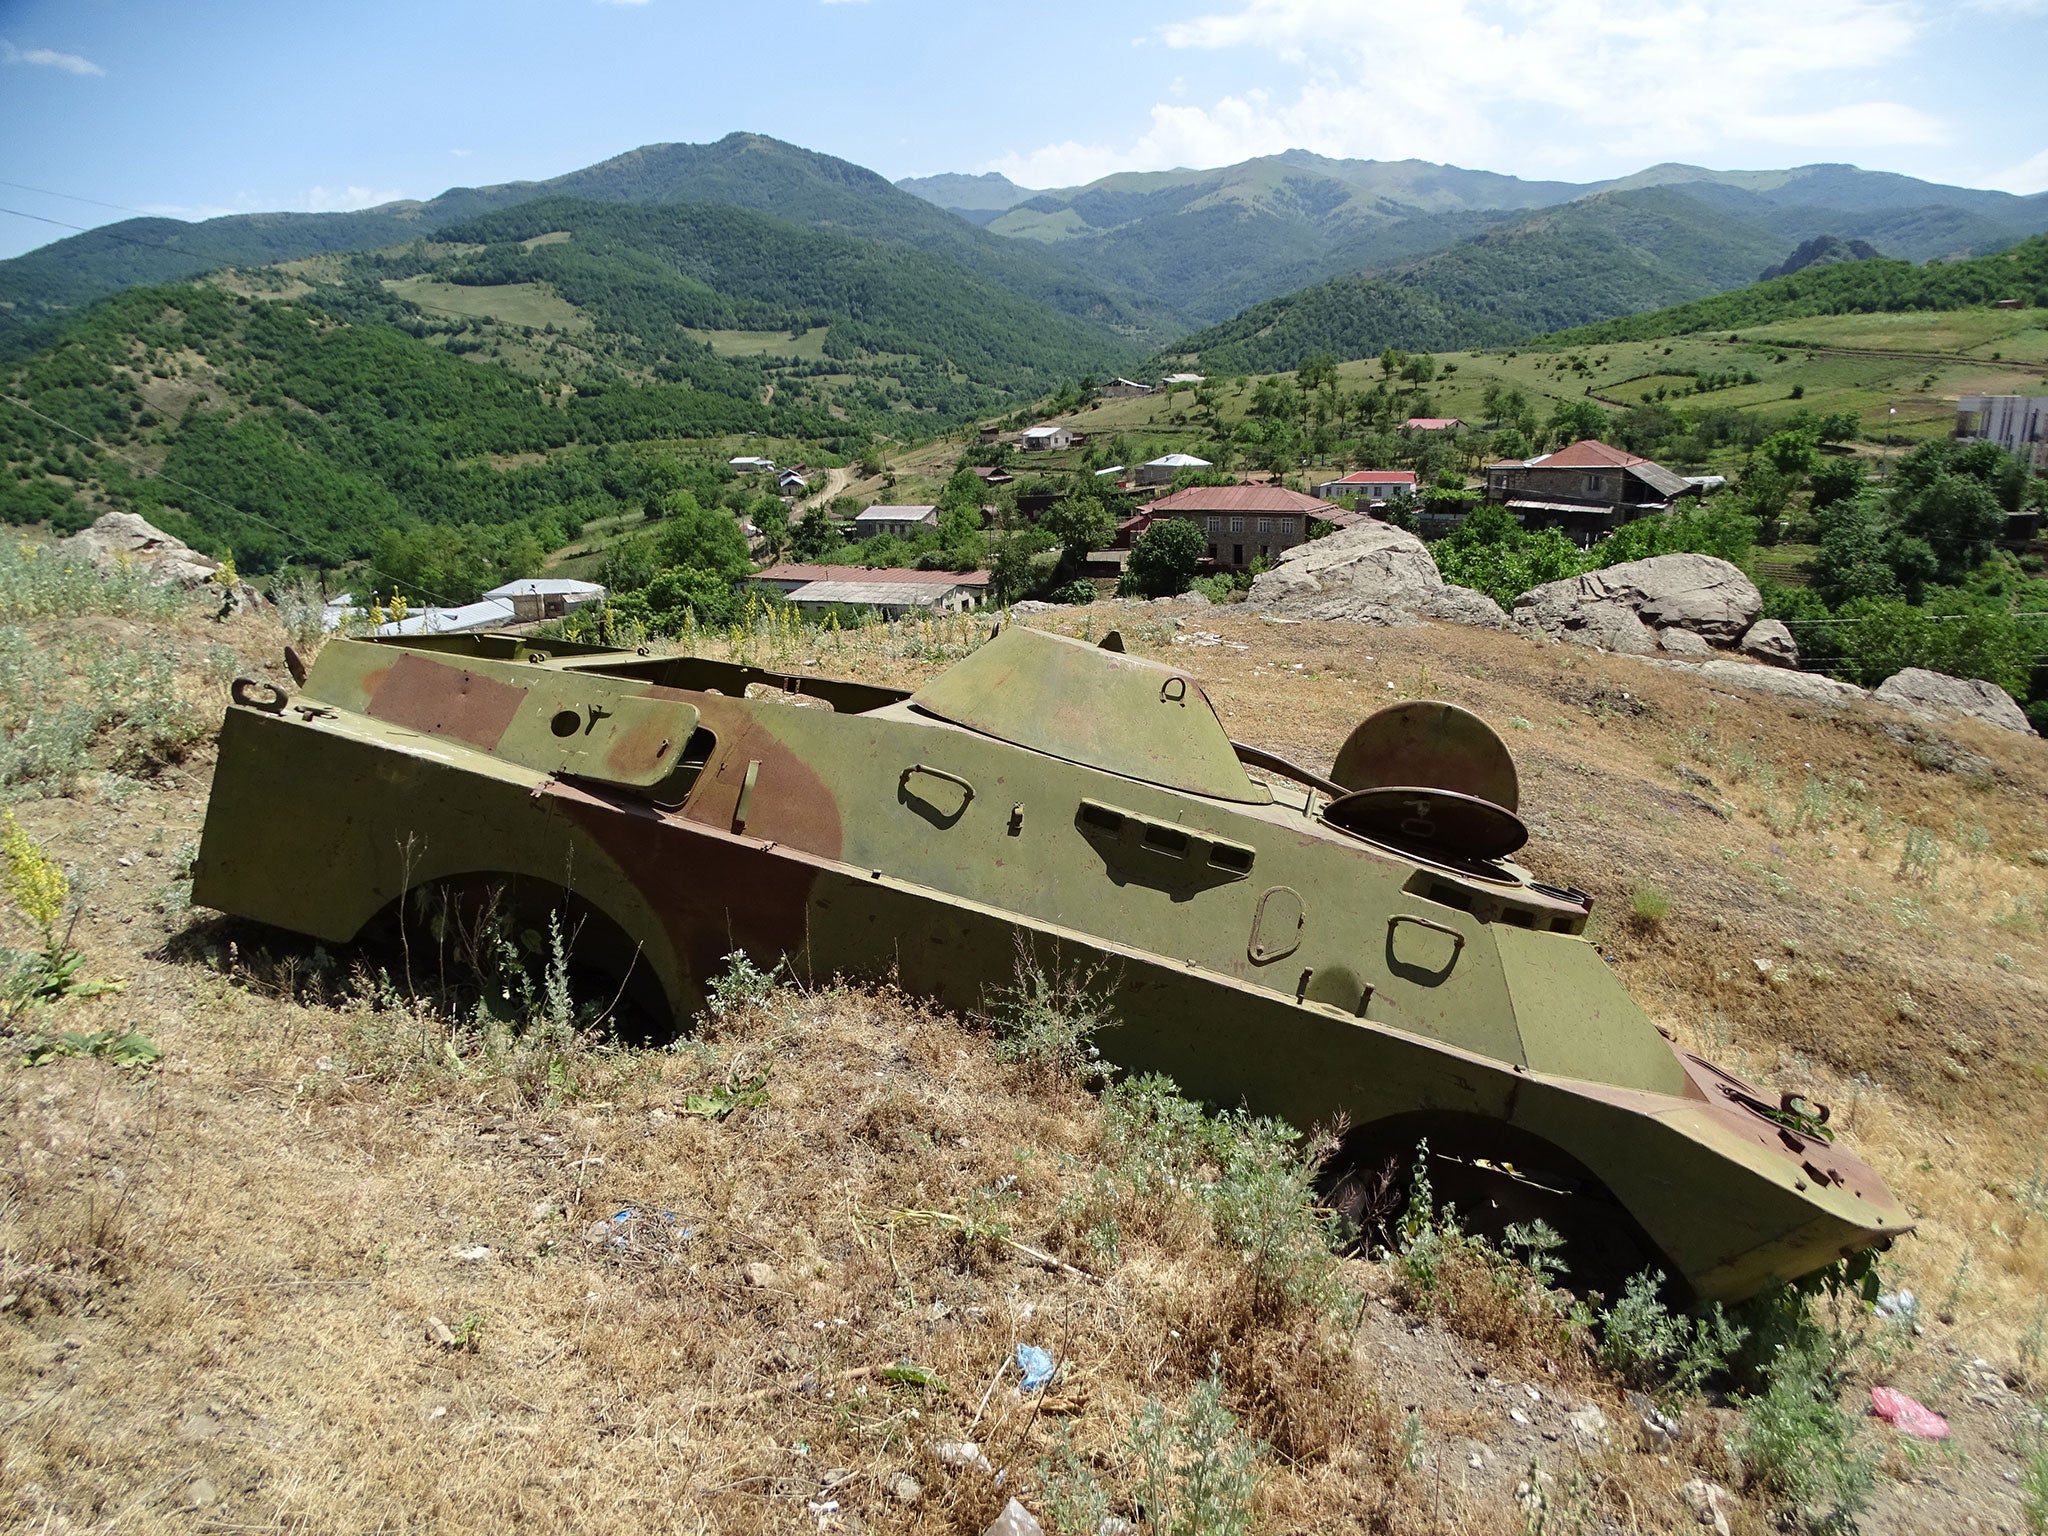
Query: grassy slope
{"type": "Point", "coordinates": [1844, 288]}
{"type": "Point", "coordinates": [222, 1276]}
{"type": "Point", "coordinates": [1923, 362]}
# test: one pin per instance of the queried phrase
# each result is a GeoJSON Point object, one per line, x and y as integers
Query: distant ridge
{"type": "Point", "coordinates": [1820, 251]}
{"type": "Point", "coordinates": [977, 199]}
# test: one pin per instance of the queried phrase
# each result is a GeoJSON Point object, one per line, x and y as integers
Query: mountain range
{"type": "Point", "coordinates": [978, 290]}
{"type": "Point", "coordinates": [1208, 243]}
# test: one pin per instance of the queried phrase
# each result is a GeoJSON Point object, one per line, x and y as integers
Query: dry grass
{"type": "Point", "coordinates": [223, 1275]}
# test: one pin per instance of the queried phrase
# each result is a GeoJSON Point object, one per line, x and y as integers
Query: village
{"type": "Point", "coordinates": [1247, 518]}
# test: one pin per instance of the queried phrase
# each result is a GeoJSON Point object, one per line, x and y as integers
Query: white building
{"type": "Point", "coordinates": [1371, 484]}
{"type": "Point", "coordinates": [546, 597]}
{"type": "Point", "coordinates": [1047, 439]}
{"type": "Point", "coordinates": [2017, 423]}
{"type": "Point", "coordinates": [891, 592]}
{"type": "Point", "coordinates": [751, 466]}
{"type": "Point", "coordinates": [899, 522]}
{"type": "Point", "coordinates": [1162, 470]}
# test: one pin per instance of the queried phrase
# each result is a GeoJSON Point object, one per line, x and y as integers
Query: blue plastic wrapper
{"type": "Point", "coordinates": [1036, 1365]}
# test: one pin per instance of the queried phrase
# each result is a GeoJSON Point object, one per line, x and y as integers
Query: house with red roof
{"type": "Point", "coordinates": [1369, 485]}
{"type": "Point", "coordinates": [1433, 424]}
{"type": "Point", "coordinates": [1245, 523]}
{"type": "Point", "coordinates": [1587, 489]}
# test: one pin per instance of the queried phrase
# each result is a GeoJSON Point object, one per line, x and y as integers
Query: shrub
{"type": "Point", "coordinates": [1254, 1180]}
{"type": "Point", "coordinates": [1797, 1443]}
{"type": "Point", "coordinates": [1649, 907]}
{"type": "Point", "coordinates": [1195, 1471]}
{"type": "Point", "coordinates": [1643, 1342]}
{"type": "Point", "coordinates": [1048, 1017]}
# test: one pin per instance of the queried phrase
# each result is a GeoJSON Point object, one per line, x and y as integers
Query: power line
{"type": "Point", "coordinates": [255, 517]}
{"type": "Point", "coordinates": [102, 231]}
{"type": "Point", "coordinates": [73, 197]}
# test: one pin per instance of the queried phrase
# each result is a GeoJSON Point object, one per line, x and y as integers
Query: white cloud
{"type": "Point", "coordinates": [70, 63]}
{"type": "Point", "coordinates": [460, 154]}
{"type": "Point", "coordinates": [1539, 84]}
{"type": "Point", "coordinates": [2026, 178]}
{"type": "Point", "coordinates": [346, 199]}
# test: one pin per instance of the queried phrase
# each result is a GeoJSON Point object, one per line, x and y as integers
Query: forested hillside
{"type": "Point", "coordinates": [309, 440]}
{"type": "Point", "coordinates": [957, 343]}
{"type": "Point", "coordinates": [1843, 288]}
{"type": "Point", "coordinates": [743, 170]}
{"type": "Point", "coordinates": [1349, 317]}
{"type": "Point", "coordinates": [1555, 267]}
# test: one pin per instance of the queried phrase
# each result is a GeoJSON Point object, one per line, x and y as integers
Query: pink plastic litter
{"type": "Point", "coordinates": [1907, 1416]}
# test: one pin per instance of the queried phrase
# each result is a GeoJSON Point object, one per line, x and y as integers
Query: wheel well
{"type": "Point", "coordinates": [461, 933]}
{"type": "Point", "coordinates": [1494, 1175]}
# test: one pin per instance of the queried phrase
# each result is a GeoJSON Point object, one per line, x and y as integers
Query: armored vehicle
{"type": "Point", "coordinates": [1349, 948]}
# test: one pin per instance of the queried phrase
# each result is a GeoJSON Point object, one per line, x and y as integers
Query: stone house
{"type": "Point", "coordinates": [1244, 523]}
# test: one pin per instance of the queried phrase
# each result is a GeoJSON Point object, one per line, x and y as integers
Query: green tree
{"type": "Point", "coordinates": [1572, 421]}
{"type": "Point", "coordinates": [1958, 517]}
{"type": "Point", "coordinates": [1165, 558]}
{"type": "Point", "coordinates": [1852, 560]}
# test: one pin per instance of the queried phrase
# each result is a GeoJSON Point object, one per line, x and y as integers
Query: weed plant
{"type": "Point", "coordinates": [1047, 1018]}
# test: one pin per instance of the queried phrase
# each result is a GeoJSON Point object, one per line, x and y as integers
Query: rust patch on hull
{"type": "Point", "coordinates": [426, 696]}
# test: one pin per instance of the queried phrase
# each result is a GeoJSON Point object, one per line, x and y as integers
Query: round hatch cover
{"type": "Point", "coordinates": [1429, 820]}
{"type": "Point", "coordinates": [1429, 743]}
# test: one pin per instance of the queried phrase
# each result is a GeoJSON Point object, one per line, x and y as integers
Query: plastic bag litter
{"type": "Point", "coordinates": [1901, 1306]}
{"type": "Point", "coordinates": [1907, 1416]}
{"type": "Point", "coordinates": [1036, 1365]}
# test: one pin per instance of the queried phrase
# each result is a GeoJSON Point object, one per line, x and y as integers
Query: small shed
{"type": "Point", "coordinates": [1161, 471]}
{"type": "Point", "coordinates": [900, 522]}
{"type": "Point", "coordinates": [543, 597]}
{"type": "Point", "coordinates": [1047, 439]}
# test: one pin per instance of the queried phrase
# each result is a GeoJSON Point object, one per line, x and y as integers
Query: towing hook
{"type": "Point", "coordinates": [244, 691]}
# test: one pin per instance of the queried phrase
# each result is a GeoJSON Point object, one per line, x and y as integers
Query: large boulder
{"type": "Point", "coordinates": [1920, 692]}
{"type": "Point", "coordinates": [127, 536]}
{"type": "Point", "coordinates": [1710, 597]}
{"type": "Point", "coordinates": [1767, 640]}
{"type": "Point", "coordinates": [1373, 573]}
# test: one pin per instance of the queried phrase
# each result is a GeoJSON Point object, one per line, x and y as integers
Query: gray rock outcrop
{"type": "Point", "coordinates": [115, 537]}
{"type": "Point", "coordinates": [1372, 574]}
{"type": "Point", "coordinates": [1920, 692]}
{"type": "Point", "coordinates": [1709, 597]}
{"type": "Point", "coordinates": [1769, 641]}
{"type": "Point", "coordinates": [1808, 687]}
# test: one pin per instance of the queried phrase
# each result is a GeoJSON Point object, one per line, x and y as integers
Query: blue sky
{"type": "Point", "coordinates": [213, 106]}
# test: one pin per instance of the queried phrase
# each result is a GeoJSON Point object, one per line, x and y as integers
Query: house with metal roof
{"type": "Point", "coordinates": [1046, 439]}
{"type": "Point", "coordinates": [1160, 471]}
{"type": "Point", "coordinates": [900, 522]}
{"type": "Point", "coordinates": [1587, 489]}
{"type": "Point", "coordinates": [891, 591]}
{"type": "Point", "coordinates": [534, 598]}
{"type": "Point", "coordinates": [1369, 485]}
{"type": "Point", "coordinates": [1244, 524]}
